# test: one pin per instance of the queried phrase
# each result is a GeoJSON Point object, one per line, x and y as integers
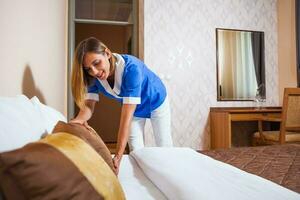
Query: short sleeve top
{"type": "Point", "coordinates": [134, 83]}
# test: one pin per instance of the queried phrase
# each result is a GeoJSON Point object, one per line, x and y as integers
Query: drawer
{"type": "Point", "coordinates": [255, 116]}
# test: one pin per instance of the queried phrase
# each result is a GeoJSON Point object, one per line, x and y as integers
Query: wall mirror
{"type": "Point", "coordinates": [240, 65]}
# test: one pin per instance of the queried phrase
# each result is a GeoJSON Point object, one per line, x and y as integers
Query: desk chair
{"type": "Point", "coordinates": [289, 122]}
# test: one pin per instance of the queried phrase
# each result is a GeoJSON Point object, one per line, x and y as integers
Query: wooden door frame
{"type": "Point", "coordinates": [297, 7]}
{"type": "Point", "coordinates": [140, 29]}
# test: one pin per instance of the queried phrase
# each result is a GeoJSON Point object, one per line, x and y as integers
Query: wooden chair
{"type": "Point", "coordinates": [289, 122]}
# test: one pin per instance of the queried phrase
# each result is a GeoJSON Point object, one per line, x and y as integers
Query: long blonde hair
{"type": "Point", "coordinates": [80, 78]}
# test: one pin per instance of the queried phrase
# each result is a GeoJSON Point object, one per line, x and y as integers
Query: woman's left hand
{"type": "Point", "coordinates": [125, 121]}
{"type": "Point", "coordinates": [116, 162]}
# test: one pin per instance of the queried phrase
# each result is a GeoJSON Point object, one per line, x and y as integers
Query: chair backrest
{"type": "Point", "coordinates": [290, 112]}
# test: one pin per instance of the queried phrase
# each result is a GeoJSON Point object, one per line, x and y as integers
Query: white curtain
{"type": "Point", "coordinates": [237, 71]}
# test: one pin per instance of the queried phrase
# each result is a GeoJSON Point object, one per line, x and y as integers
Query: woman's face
{"type": "Point", "coordinates": [97, 65]}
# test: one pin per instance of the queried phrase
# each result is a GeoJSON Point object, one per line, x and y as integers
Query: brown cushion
{"type": "Point", "coordinates": [89, 136]}
{"type": "Point", "coordinates": [53, 170]}
{"type": "Point", "coordinates": [12, 191]}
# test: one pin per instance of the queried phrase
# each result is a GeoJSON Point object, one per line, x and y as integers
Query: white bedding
{"type": "Point", "coordinates": [182, 173]}
{"type": "Point", "coordinates": [135, 184]}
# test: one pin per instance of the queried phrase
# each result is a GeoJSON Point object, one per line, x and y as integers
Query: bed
{"type": "Point", "coordinates": [154, 173]}
{"type": "Point", "coordinates": [182, 173]}
{"type": "Point", "coordinates": [278, 163]}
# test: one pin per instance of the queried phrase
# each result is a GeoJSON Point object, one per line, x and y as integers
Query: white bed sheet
{"type": "Point", "coordinates": [134, 182]}
{"type": "Point", "coordinates": [184, 174]}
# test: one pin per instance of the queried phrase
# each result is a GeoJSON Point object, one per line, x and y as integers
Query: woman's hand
{"type": "Point", "coordinates": [84, 114]}
{"type": "Point", "coordinates": [116, 162]}
{"type": "Point", "coordinates": [79, 121]}
{"type": "Point", "coordinates": [125, 121]}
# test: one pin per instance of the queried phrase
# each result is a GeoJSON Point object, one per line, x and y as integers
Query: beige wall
{"type": "Point", "coordinates": [287, 69]}
{"type": "Point", "coordinates": [180, 45]}
{"type": "Point", "coordinates": [33, 50]}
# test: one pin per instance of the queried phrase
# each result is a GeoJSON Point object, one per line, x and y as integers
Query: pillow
{"type": "Point", "coordinates": [20, 122]}
{"type": "Point", "coordinates": [89, 136]}
{"type": "Point", "coordinates": [60, 166]}
{"type": "Point", "coordinates": [49, 115]}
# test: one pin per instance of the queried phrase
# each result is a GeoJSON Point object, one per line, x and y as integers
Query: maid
{"type": "Point", "coordinates": [128, 80]}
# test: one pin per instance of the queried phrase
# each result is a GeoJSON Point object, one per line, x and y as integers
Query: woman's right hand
{"type": "Point", "coordinates": [82, 122]}
{"type": "Point", "coordinates": [84, 114]}
{"type": "Point", "coordinates": [77, 121]}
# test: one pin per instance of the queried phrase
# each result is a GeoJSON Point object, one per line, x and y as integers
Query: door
{"type": "Point", "coordinates": [115, 23]}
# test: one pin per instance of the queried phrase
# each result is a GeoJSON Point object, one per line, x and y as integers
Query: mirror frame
{"type": "Point", "coordinates": [217, 65]}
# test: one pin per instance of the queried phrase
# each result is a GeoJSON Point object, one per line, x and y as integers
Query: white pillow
{"type": "Point", "coordinates": [20, 122]}
{"type": "Point", "coordinates": [50, 116]}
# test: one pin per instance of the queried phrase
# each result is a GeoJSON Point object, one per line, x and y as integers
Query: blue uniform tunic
{"type": "Point", "coordinates": [134, 83]}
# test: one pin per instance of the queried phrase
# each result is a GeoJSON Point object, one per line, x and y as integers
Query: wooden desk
{"type": "Point", "coordinates": [221, 118]}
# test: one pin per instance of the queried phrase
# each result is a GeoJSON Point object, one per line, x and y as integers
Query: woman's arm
{"type": "Point", "coordinates": [123, 133]}
{"type": "Point", "coordinates": [86, 113]}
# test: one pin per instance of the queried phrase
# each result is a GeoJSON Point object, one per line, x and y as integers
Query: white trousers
{"type": "Point", "coordinates": [161, 124]}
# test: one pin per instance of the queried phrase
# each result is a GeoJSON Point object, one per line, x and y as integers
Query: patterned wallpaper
{"type": "Point", "coordinates": [180, 46]}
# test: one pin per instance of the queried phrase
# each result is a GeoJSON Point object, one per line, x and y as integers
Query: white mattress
{"type": "Point", "coordinates": [134, 182]}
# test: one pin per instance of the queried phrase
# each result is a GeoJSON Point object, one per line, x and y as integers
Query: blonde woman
{"type": "Point", "coordinates": [128, 80]}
